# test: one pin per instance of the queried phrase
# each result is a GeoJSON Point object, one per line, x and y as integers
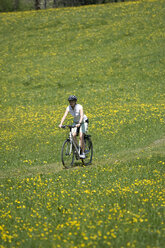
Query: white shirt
{"type": "Point", "coordinates": [76, 112]}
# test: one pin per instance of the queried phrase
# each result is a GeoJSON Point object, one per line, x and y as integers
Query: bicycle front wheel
{"type": "Point", "coordinates": [88, 151]}
{"type": "Point", "coordinates": [67, 155]}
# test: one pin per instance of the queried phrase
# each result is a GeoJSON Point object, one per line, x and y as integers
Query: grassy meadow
{"type": "Point", "coordinates": [112, 58]}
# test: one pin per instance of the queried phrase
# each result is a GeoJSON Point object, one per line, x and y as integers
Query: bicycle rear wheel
{"type": "Point", "coordinates": [88, 151]}
{"type": "Point", "coordinates": [67, 155]}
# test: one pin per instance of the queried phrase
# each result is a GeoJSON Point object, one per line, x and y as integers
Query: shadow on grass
{"type": "Point", "coordinates": [75, 165]}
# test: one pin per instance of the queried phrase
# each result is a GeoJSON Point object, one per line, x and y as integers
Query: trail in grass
{"type": "Point", "coordinates": [154, 149]}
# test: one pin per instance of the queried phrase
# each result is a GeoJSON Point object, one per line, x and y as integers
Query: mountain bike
{"type": "Point", "coordinates": [70, 151]}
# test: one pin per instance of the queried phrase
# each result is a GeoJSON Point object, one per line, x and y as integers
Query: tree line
{"type": "Point", "coordinates": [15, 5]}
{"type": "Point", "coordinates": [82, 2]}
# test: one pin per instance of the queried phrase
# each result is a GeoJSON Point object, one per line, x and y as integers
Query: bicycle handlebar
{"type": "Point", "coordinates": [69, 126]}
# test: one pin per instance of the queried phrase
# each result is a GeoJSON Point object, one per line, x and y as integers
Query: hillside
{"type": "Point", "coordinates": [112, 58]}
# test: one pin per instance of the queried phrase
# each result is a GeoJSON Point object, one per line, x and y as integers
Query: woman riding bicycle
{"type": "Point", "coordinates": [80, 122]}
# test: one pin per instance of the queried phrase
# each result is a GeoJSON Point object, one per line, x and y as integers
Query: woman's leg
{"type": "Point", "coordinates": [75, 138]}
{"type": "Point", "coordinates": [83, 130]}
{"type": "Point", "coordinates": [82, 142]}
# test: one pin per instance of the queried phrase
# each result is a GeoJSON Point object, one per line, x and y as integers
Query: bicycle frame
{"type": "Point", "coordinates": [71, 139]}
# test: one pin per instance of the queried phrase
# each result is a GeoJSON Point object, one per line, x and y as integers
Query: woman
{"type": "Point", "coordinates": [80, 121]}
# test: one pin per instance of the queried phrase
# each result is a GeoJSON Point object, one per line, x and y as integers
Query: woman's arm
{"type": "Point", "coordinates": [63, 118]}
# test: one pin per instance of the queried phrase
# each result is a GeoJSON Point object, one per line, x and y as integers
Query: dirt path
{"type": "Point", "coordinates": [156, 147]}
{"type": "Point", "coordinates": [30, 171]}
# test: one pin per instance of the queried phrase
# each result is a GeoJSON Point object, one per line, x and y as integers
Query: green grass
{"type": "Point", "coordinates": [112, 58]}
